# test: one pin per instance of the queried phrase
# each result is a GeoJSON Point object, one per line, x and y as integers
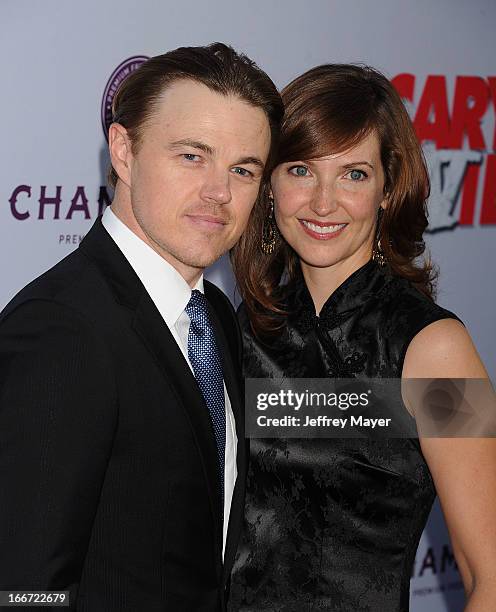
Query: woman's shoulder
{"type": "Point", "coordinates": [405, 306]}
{"type": "Point", "coordinates": [402, 313]}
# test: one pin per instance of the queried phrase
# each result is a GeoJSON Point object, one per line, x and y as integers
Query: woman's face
{"type": "Point", "coordinates": [326, 208]}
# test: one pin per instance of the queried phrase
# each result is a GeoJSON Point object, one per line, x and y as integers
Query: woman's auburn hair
{"type": "Point", "coordinates": [328, 110]}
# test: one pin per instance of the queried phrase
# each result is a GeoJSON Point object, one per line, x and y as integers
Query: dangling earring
{"type": "Point", "coordinates": [269, 230]}
{"type": "Point", "coordinates": [377, 252]}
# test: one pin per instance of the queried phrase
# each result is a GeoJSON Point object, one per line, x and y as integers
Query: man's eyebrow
{"type": "Point", "coordinates": [201, 146]}
{"type": "Point", "coordinates": [195, 144]}
{"type": "Point", "coordinates": [251, 160]}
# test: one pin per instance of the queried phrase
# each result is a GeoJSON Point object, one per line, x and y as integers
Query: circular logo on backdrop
{"type": "Point", "coordinates": [122, 71]}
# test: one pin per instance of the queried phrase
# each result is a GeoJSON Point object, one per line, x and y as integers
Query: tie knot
{"type": "Point", "coordinates": [197, 309]}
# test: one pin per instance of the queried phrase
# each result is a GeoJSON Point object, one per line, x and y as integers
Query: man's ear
{"type": "Point", "coordinates": [120, 152]}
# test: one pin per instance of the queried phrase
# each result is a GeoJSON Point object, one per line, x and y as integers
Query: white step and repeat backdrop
{"type": "Point", "coordinates": [61, 61]}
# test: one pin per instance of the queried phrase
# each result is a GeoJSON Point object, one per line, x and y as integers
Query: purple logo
{"type": "Point", "coordinates": [122, 71]}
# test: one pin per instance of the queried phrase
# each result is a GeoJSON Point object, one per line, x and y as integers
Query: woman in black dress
{"type": "Point", "coordinates": [339, 289]}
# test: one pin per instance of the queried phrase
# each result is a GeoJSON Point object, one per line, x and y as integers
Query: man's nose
{"type": "Point", "coordinates": [216, 188]}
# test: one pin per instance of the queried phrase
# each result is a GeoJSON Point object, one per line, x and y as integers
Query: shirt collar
{"type": "Point", "coordinates": [167, 288]}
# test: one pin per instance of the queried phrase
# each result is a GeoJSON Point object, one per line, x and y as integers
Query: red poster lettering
{"type": "Point", "coordinates": [432, 120]}
{"type": "Point", "coordinates": [488, 211]}
{"type": "Point", "coordinates": [492, 87]}
{"type": "Point", "coordinates": [404, 84]}
{"type": "Point", "coordinates": [470, 105]}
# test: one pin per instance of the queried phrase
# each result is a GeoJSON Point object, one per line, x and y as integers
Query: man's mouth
{"type": "Point", "coordinates": [208, 221]}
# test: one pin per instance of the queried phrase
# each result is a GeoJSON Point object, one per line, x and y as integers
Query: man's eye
{"type": "Point", "coordinates": [191, 156]}
{"type": "Point", "coordinates": [298, 170]}
{"type": "Point", "coordinates": [357, 175]}
{"type": "Point", "coordinates": [242, 171]}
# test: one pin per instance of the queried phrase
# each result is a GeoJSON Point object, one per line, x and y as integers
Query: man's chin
{"type": "Point", "coordinates": [202, 260]}
{"type": "Point", "coordinates": [203, 263]}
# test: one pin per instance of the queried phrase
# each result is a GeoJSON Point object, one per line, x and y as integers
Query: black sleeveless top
{"type": "Point", "coordinates": [334, 524]}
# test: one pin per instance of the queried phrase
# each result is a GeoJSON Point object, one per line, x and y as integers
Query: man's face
{"type": "Point", "coordinates": [196, 175]}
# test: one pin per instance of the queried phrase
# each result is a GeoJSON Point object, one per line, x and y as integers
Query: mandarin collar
{"type": "Point", "coordinates": [355, 291]}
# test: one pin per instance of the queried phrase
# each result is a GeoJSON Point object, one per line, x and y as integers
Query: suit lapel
{"type": "Point", "coordinates": [149, 325]}
{"type": "Point", "coordinates": [155, 334]}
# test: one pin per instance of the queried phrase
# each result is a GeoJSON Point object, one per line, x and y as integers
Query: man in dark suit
{"type": "Point", "coordinates": [121, 427]}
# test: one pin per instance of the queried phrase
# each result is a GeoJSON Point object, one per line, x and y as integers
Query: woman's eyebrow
{"type": "Point", "coordinates": [358, 163]}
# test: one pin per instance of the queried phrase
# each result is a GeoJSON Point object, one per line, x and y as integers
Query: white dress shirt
{"type": "Point", "coordinates": [170, 294]}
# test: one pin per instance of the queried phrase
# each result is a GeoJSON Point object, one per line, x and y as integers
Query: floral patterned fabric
{"type": "Point", "coordinates": [334, 524]}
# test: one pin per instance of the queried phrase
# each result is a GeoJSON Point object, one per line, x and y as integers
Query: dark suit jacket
{"type": "Point", "coordinates": [109, 482]}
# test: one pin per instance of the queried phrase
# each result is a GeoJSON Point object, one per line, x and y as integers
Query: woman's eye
{"type": "Point", "coordinates": [299, 170]}
{"type": "Point", "coordinates": [357, 175]}
{"type": "Point", "coordinates": [242, 171]}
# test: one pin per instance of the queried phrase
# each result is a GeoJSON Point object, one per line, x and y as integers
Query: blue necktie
{"type": "Point", "coordinates": [204, 357]}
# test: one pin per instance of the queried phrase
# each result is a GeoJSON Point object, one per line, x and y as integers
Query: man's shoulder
{"type": "Point", "coordinates": [71, 283]}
